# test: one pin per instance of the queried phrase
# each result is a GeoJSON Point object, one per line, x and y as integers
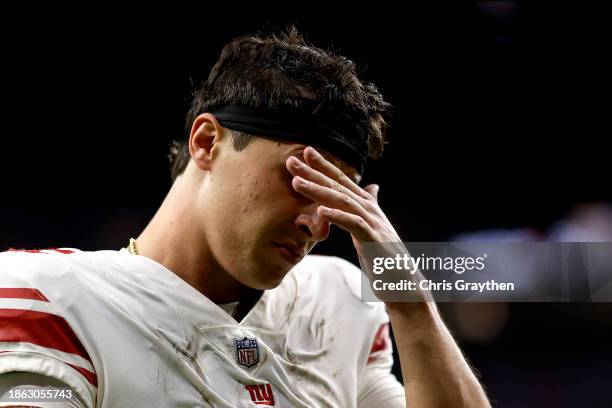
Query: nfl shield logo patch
{"type": "Point", "coordinates": [247, 352]}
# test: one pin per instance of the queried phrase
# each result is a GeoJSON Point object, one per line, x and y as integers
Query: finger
{"type": "Point", "coordinates": [351, 223]}
{"type": "Point", "coordinates": [328, 197]}
{"type": "Point", "coordinates": [298, 168]}
{"type": "Point", "coordinates": [315, 160]}
{"type": "Point", "coordinates": [373, 190]}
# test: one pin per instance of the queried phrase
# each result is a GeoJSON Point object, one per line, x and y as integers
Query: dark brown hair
{"type": "Point", "coordinates": [284, 72]}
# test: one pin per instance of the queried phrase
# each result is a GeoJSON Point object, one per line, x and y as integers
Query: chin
{"type": "Point", "coordinates": [268, 278]}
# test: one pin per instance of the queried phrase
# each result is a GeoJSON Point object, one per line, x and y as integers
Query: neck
{"type": "Point", "coordinates": [175, 238]}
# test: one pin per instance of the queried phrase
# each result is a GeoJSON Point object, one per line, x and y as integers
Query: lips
{"type": "Point", "coordinates": [291, 253]}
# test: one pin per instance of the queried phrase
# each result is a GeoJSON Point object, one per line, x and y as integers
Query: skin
{"type": "Point", "coordinates": [224, 246]}
{"type": "Point", "coordinates": [286, 192]}
{"type": "Point", "coordinates": [435, 372]}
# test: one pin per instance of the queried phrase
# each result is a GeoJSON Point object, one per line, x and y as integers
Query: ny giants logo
{"type": "Point", "coordinates": [261, 394]}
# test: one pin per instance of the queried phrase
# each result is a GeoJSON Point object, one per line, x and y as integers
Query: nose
{"type": "Point", "coordinates": [311, 224]}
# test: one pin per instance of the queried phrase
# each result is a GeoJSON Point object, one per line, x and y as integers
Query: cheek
{"type": "Point", "coordinates": [238, 192]}
{"type": "Point", "coordinates": [250, 196]}
{"type": "Point", "coordinates": [262, 193]}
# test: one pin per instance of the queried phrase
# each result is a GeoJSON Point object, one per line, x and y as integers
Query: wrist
{"type": "Point", "coordinates": [413, 320]}
{"type": "Point", "coordinates": [411, 309]}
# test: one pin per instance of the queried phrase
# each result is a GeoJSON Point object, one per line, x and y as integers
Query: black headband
{"type": "Point", "coordinates": [342, 137]}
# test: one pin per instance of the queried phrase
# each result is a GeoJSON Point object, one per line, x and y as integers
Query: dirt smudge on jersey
{"type": "Point", "coordinates": [185, 356]}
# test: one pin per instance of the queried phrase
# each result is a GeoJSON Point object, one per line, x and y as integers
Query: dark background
{"type": "Point", "coordinates": [501, 121]}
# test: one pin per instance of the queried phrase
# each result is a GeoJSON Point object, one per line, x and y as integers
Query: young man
{"type": "Point", "coordinates": [217, 303]}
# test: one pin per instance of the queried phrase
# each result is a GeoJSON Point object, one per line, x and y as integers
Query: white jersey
{"type": "Point", "coordinates": [123, 331]}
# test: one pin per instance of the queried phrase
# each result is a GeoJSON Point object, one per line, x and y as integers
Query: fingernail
{"type": "Point", "coordinates": [301, 182]}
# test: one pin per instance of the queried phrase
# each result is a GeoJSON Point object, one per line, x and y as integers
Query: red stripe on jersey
{"type": "Point", "coordinates": [382, 341]}
{"type": "Point", "coordinates": [39, 251]}
{"type": "Point", "coordinates": [22, 293]}
{"type": "Point", "coordinates": [42, 329]}
{"type": "Point", "coordinates": [32, 251]}
{"type": "Point", "coordinates": [63, 251]}
{"type": "Point", "coordinates": [91, 377]}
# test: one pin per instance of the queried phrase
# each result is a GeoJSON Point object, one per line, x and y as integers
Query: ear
{"type": "Point", "coordinates": [205, 135]}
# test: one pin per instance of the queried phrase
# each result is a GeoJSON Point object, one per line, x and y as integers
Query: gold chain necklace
{"type": "Point", "coordinates": [132, 247]}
